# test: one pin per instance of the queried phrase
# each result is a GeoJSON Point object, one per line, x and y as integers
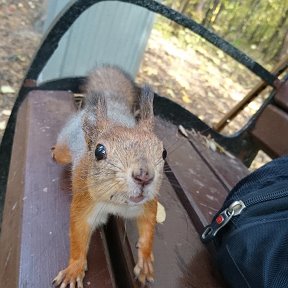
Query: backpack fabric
{"type": "Point", "coordinates": [251, 241]}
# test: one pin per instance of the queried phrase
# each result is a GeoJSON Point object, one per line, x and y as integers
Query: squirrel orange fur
{"type": "Point", "coordinates": [117, 166]}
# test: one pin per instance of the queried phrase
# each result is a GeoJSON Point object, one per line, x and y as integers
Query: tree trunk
{"type": "Point", "coordinates": [283, 51]}
{"type": "Point", "coordinates": [184, 5]}
{"type": "Point", "coordinates": [209, 14]}
{"type": "Point", "coordinates": [276, 36]}
{"type": "Point", "coordinates": [200, 9]}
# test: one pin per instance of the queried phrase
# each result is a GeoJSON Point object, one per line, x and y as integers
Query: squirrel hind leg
{"type": "Point", "coordinates": [60, 153]}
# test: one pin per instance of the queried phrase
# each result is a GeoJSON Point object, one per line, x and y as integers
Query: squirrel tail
{"type": "Point", "coordinates": [114, 83]}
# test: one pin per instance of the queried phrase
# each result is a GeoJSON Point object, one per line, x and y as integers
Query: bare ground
{"type": "Point", "coordinates": [19, 40]}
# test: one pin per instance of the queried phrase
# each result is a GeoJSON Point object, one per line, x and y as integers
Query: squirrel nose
{"type": "Point", "coordinates": [142, 177]}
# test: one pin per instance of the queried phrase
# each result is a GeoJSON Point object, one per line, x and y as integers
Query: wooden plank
{"type": "Point", "coordinates": [281, 97]}
{"type": "Point", "coordinates": [40, 209]}
{"type": "Point", "coordinates": [181, 260]}
{"type": "Point", "coordinates": [10, 236]}
{"type": "Point", "coordinates": [227, 168]}
{"type": "Point", "coordinates": [230, 115]}
{"type": "Point", "coordinates": [271, 129]}
{"type": "Point", "coordinates": [201, 193]}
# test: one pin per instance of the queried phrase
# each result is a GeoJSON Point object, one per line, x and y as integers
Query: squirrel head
{"type": "Point", "coordinates": [124, 164]}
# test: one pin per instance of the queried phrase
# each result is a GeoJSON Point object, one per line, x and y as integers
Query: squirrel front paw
{"type": "Point", "coordinates": [143, 270]}
{"type": "Point", "coordinates": [73, 276]}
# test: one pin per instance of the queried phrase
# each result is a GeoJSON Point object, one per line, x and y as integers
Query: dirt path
{"type": "Point", "coordinates": [19, 40]}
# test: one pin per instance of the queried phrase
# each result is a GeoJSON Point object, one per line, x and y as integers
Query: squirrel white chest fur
{"type": "Point", "coordinates": [102, 210]}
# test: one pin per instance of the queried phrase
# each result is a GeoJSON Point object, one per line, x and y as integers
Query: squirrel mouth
{"type": "Point", "coordinates": [136, 199]}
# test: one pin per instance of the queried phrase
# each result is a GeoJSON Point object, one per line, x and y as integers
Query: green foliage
{"type": "Point", "coordinates": [257, 27]}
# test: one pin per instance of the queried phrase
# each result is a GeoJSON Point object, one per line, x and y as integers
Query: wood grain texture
{"type": "Point", "coordinates": [281, 96]}
{"type": "Point", "coordinates": [181, 260]}
{"type": "Point", "coordinates": [42, 202]}
{"type": "Point", "coordinates": [228, 169]}
{"type": "Point", "coordinates": [10, 238]}
{"type": "Point", "coordinates": [199, 176]}
{"type": "Point", "coordinates": [271, 129]}
{"type": "Point", "coordinates": [38, 199]}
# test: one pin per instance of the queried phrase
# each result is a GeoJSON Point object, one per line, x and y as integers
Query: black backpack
{"type": "Point", "coordinates": [250, 232]}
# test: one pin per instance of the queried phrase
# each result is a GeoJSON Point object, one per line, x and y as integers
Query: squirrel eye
{"type": "Point", "coordinates": [100, 152]}
{"type": "Point", "coordinates": [164, 154]}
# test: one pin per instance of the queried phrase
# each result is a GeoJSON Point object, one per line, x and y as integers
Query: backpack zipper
{"type": "Point", "coordinates": [221, 220]}
{"type": "Point", "coordinates": [262, 198]}
{"type": "Point", "coordinates": [234, 209]}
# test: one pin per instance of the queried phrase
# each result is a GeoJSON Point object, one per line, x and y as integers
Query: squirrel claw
{"type": "Point", "coordinates": [144, 271]}
{"type": "Point", "coordinates": [58, 279]}
{"type": "Point", "coordinates": [63, 285]}
{"type": "Point", "coordinates": [72, 276]}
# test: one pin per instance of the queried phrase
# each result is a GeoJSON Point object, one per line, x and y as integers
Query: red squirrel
{"type": "Point", "coordinates": [117, 168]}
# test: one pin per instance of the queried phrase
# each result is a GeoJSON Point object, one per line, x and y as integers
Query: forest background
{"type": "Point", "coordinates": [257, 27]}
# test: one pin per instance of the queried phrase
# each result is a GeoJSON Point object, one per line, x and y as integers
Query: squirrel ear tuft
{"type": "Point", "coordinates": [94, 118]}
{"type": "Point", "coordinates": [146, 107]}
{"type": "Point", "coordinates": [96, 103]}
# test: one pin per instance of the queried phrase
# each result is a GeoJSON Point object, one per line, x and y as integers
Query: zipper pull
{"type": "Point", "coordinates": [221, 220]}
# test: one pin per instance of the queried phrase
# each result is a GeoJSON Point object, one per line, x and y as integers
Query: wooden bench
{"type": "Point", "coordinates": [34, 240]}
{"type": "Point", "coordinates": [34, 237]}
{"type": "Point", "coordinates": [35, 223]}
{"type": "Point", "coordinates": [272, 124]}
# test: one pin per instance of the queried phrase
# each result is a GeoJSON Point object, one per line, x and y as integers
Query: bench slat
{"type": "Point", "coordinates": [227, 168]}
{"type": "Point", "coordinates": [271, 129]}
{"type": "Point", "coordinates": [281, 99]}
{"type": "Point", "coordinates": [10, 237]}
{"type": "Point", "coordinates": [181, 260]}
{"type": "Point", "coordinates": [41, 207]}
{"type": "Point", "coordinates": [200, 191]}
{"type": "Point", "coordinates": [40, 223]}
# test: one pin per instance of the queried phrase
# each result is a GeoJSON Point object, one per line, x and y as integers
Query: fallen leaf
{"type": "Point", "coordinates": [161, 214]}
{"type": "Point", "coordinates": [183, 131]}
{"type": "Point", "coordinates": [212, 145]}
{"type": "Point", "coordinates": [2, 125]}
{"type": "Point", "coordinates": [6, 89]}
{"type": "Point", "coordinates": [170, 92]}
{"type": "Point", "coordinates": [186, 99]}
{"type": "Point", "coordinates": [6, 112]}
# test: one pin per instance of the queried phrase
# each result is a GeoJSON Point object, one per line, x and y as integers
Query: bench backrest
{"type": "Point", "coordinates": [271, 127]}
